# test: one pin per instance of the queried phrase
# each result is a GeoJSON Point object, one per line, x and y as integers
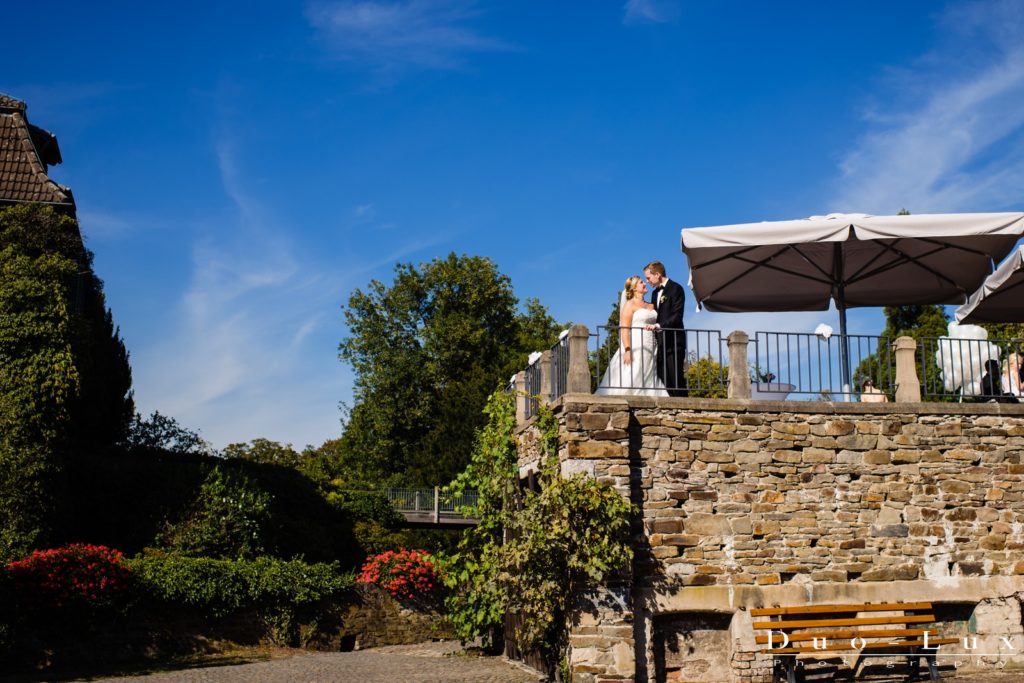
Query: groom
{"type": "Point", "coordinates": [668, 299]}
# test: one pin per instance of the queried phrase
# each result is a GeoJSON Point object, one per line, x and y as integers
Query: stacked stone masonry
{"type": "Point", "coordinates": [744, 504]}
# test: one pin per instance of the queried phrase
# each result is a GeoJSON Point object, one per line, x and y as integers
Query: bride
{"type": "Point", "coordinates": [631, 371]}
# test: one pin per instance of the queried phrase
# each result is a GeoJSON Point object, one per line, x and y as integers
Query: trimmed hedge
{"type": "Point", "coordinates": [284, 593]}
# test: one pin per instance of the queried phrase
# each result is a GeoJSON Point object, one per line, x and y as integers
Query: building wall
{"type": "Point", "coordinates": [747, 503]}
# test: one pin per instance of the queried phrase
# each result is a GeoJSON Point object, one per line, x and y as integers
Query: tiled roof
{"type": "Point", "coordinates": [7, 102]}
{"type": "Point", "coordinates": [22, 170]}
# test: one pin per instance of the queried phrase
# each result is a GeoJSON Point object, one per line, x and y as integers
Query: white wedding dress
{"type": "Point", "coordinates": [639, 378]}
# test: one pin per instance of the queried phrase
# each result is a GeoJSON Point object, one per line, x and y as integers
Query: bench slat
{"type": "Point", "coordinates": [862, 621]}
{"type": "Point", "coordinates": [846, 633]}
{"type": "Point", "coordinates": [828, 609]}
{"type": "Point", "coordinates": [870, 646]}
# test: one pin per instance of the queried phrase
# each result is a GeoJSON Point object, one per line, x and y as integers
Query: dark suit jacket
{"type": "Point", "coordinates": [670, 311]}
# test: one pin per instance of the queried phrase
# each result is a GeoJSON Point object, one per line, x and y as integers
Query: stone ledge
{"type": "Point", "coordinates": [676, 598]}
{"type": "Point", "coordinates": [810, 407]}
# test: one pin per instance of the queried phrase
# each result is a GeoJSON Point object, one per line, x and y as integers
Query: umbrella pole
{"type": "Point", "coordinates": [844, 348]}
{"type": "Point", "coordinates": [839, 281]}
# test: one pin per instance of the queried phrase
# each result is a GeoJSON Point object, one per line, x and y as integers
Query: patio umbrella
{"type": "Point", "coordinates": [853, 259]}
{"type": "Point", "coordinates": [1000, 299]}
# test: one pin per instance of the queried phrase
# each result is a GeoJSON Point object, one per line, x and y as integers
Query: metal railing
{"type": "Point", "coordinates": [560, 366]}
{"type": "Point", "coordinates": [979, 369]}
{"type": "Point", "coordinates": [819, 367]}
{"type": "Point", "coordinates": [532, 388]}
{"type": "Point", "coordinates": [694, 365]}
{"type": "Point", "coordinates": [428, 500]}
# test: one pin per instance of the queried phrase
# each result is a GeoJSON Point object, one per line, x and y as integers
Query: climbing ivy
{"type": "Point", "coordinates": [532, 552]}
{"type": "Point", "coordinates": [37, 379]}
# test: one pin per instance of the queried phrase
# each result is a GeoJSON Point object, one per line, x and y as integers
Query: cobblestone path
{"type": "Point", "coordinates": [424, 663]}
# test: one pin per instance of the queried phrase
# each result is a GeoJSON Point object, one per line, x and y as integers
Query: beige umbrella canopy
{"type": "Point", "coordinates": [1000, 299]}
{"type": "Point", "coordinates": [852, 259]}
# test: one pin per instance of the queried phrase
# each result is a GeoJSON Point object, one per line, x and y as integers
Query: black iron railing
{"type": "Point", "coordinates": [560, 366]}
{"type": "Point", "coordinates": [820, 367]}
{"type": "Point", "coordinates": [978, 369]}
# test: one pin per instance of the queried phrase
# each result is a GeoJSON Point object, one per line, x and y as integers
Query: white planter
{"type": "Point", "coordinates": [770, 391]}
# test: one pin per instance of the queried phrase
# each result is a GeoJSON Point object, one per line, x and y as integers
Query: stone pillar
{"type": "Point", "coordinates": [546, 379]}
{"type": "Point", "coordinates": [579, 365]}
{"type": "Point", "coordinates": [739, 378]}
{"type": "Point", "coordinates": [521, 397]}
{"type": "Point", "coordinates": [908, 386]}
{"type": "Point", "coordinates": [601, 645]}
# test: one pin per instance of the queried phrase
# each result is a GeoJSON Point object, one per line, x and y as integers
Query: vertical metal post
{"type": "Point", "coordinates": [437, 505]}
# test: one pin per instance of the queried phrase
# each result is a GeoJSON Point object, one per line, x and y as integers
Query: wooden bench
{"type": "Point", "coordinates": [820, 629]}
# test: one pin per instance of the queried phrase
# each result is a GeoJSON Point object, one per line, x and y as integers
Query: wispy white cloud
{"type": "Point", "coordinates": [103, 224]}
{"type": "Point", "coordinates": [950, 137]}
{"type": "Point", "coordinates": [250, 348]}
{"type": "Point", "coordinates": [422, 33]}
{"type": "Point", "coordinates": [650, 11]}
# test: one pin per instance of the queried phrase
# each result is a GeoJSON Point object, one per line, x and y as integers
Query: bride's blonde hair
{"type": "Point", "coordinates": [630, 287]}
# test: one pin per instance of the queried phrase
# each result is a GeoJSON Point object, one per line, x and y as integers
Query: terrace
{"type": "Point", "coordinates": [782, 366]}
{"type": "Point", "coordinates": [750, 494]}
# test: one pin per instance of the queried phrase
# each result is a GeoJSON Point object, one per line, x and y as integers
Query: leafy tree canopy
{"type": "Point", "coordinates": [427, 351]}
{"type": "Point", "coordinates": [264, 451]}
{"type": "Point", "coordinates": [1004, 330]}
{"type": "Point", "coordinates": [164, 433]}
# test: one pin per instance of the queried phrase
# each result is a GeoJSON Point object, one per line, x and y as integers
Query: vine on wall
{"type": "Point", "coordinates": [533, 552]}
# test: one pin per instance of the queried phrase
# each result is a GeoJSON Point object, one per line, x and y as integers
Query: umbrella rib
{"type": "Point", "coordinates": [903, 257]}
{"type": "Point", "coordinates": [829, 278]}
{"type": "Point", "coordinates": [761, 264]}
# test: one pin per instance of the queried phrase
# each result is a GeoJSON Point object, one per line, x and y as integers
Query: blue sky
{"type": "Point", "coordinates": [239, 168]}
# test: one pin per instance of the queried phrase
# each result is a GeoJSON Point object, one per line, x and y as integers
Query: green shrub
{"type": "Point", "coordinates": [161, 489]}
{"type": "Point", "coordinates": [707, 378]}
{"type": "Point", "coordinates": [281, 591]}
{"type": "Point", "coordinates": [227, 519]}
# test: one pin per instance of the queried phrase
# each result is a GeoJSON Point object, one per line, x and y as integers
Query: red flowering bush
{"type": "Point", "coordinates": [91, 575]}
{"type": "Point", "coordinates": [406, 574]}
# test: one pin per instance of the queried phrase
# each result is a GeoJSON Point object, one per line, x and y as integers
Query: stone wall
{"type": "Point", "coordinates": [373, 618]}
{"type": "Point", "coordinates": [748, 503]}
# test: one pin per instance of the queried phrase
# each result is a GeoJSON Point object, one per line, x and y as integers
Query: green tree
{"type": "Point", "coordinates": [163, 433]}
{"type": "Point", "coordinates": [264, 451]}
{"type": "Point", "coordinates": [1007, 331]}
{"type": "Point", "coordinates": [228, 519]}
{"type": "Point", "coordinates": [427, 351]}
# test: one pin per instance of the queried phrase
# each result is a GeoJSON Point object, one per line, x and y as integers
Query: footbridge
{"type": "Point", "coordinates": [432, 507]}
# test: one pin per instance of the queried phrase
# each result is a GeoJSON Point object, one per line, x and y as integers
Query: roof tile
{"type": "Point", "coordinates": [22, 174]}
